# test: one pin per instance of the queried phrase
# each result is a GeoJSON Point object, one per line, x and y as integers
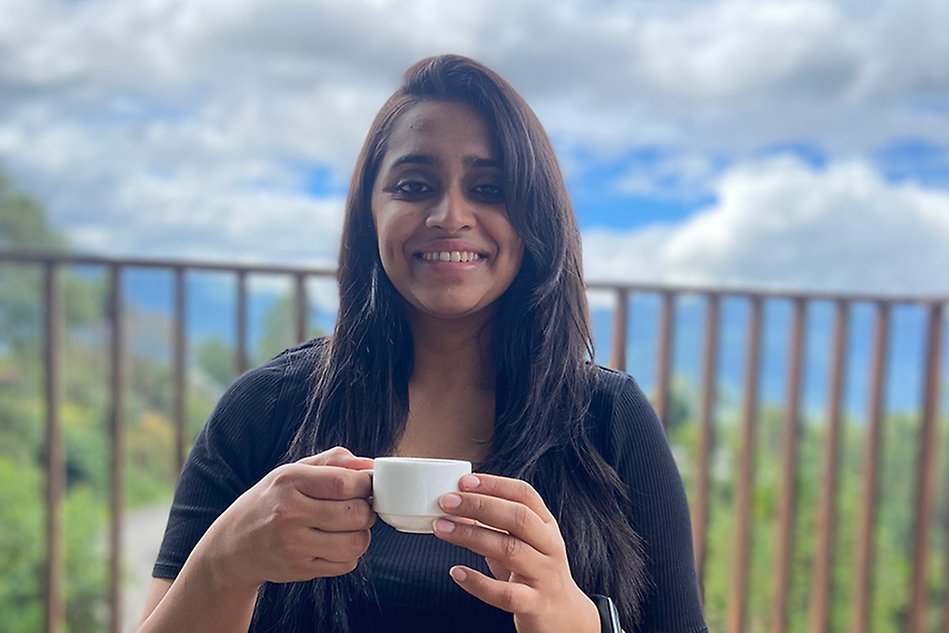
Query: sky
{"type": "Point", "coordinates": [794, 144]}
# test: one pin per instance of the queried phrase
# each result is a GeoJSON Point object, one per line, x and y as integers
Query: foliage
{"type": "Point", "coordinates": [216, 359]}
{"type": "Point", "coordinates": [23, 223]}
{"type": "Point", "coordinates": [893, 526]}
{"type": "Point", "coordinates": [21, 551]}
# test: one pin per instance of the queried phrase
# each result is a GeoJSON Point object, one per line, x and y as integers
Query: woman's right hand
{"type": "Point", "coordinates": [301, 521]}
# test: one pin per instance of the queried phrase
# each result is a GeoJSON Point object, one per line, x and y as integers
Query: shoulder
{"type": "Point", "coordinates": [621, 416]}
{"type": "Point", "coordinates": [615, 388]}
{"type": "Point", "coordinates": [258, 414]}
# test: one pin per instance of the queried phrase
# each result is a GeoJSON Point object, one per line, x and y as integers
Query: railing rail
{"type": "Point", "coordinates": [821, 586]}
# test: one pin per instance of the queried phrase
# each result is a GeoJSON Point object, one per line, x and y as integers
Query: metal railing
{"type": "Point", "coordinates": [820, 590]}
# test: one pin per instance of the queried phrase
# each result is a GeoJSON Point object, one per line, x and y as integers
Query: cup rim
{"type": "Point", "coordinates": [392, 459]}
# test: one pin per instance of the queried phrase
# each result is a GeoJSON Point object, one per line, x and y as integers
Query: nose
{"type": "Point", "coordinates": [453, 212]}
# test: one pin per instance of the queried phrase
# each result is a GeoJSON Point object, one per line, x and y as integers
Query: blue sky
{"type": "Point", "coordinates": [799, 144]}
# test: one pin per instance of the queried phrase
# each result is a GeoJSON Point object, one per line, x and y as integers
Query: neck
{"type": "Point", "coordinates": [451, 391]}
{"type": "Point", "coordinates": [453, 354]}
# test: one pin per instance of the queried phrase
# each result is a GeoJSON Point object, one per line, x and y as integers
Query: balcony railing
{"type": "Point", "coordinates": [821, 591]}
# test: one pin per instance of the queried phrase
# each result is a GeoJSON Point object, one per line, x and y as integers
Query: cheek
{"type": "Point", "coordinates": [392, 235]}
{"type": "Point", "coordinates": [514, 243]}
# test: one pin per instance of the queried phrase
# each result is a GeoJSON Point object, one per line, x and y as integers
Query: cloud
{"type": "Point", "coordinates": [177, 218]}
{"type": "Point", "coordinates": [781, 223]}
{"type": "Point", "coordinates": [140, 122]}
{"type": "Point", "coordinates": [672, 176]}
{"type": "Point", "coordinates": [304, 78]}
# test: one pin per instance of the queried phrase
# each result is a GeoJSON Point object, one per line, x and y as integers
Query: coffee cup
{"type": "Point", "coordinates": [406, 490]}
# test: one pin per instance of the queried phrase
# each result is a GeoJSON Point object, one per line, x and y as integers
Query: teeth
{"type": "Point", "coordinates": [451, 256]}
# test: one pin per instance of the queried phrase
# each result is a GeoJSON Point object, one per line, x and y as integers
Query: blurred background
{"type": "Point", "coordinates": [788, 155]}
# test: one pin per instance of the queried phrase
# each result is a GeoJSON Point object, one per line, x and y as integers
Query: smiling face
{"type": "Point", "coordinates": [445, 239]}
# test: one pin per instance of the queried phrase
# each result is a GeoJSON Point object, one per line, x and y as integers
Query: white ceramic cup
{"type": "Point", "coordinates": [405, 490]}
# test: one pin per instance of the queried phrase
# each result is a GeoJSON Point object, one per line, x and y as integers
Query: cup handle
{"type": "Point", "coordinates": [371, 499]}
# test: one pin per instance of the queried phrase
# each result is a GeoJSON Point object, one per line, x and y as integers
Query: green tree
{"type": "Point", "coordinates": [25, 226]}
{"type": "Point", "coordinates": [23, 222]}
{"type": "Point", "coordinates": [277, 329]}
{"type": "Point", "coordinates": [216, 360]}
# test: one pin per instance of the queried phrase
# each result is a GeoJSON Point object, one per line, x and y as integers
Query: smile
{"type": "Point", "coordinates": [452, 256]}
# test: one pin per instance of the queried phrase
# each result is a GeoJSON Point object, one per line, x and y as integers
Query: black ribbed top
{"type": "Point", "coordinates": [251, 428]}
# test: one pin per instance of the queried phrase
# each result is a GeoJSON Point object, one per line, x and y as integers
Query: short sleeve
{"type": "Point", "coordinates": [244, 438]}
{"type": "Point", "coordinates": [659, 511]}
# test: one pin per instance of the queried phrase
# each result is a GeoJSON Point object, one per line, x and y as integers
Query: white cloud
{"type": "Point", "coordinates": [612, 73]}
{"type": "Point", "coordinates": [780, 223]}
{"type": "Point", "coordinates": [678, 176]}
{"type": "Point", "coordinates": [165, 218]}
{"type": "Point", "coordinates": [140, 122]}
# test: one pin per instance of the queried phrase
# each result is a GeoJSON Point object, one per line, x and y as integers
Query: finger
{"type": "Point", "coordinates": [513, 553]}
{"type": "Point", "coordinates": [307, 553]}
{"type": "Point", "coordinates": [339, 516]}
{"type": "Point", "coordinates": [310, 569]}
{"type": "Point", "coordinates": [334, 547]}
{"type": "Point", "coordinates": [512, 517]}
{"type": "Point", "coordinates": [337, 456]}
{"type": "Point", "coordinates": [508, 596]}
{"type": "Point", "coordinates": [506, 488]}
{"type": "Point", "coordinates": [320, 568]}
{"type": "Point", "coordinates": [325, 482]}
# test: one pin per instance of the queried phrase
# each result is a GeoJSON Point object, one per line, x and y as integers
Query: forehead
{"type": "Point", "coordinates": [440, 127]}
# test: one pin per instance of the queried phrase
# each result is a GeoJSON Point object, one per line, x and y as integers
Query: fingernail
{"type": "Point", "coordinates": [458, 574]}
{"type": "Point", "coordinates": [444, 526]}
{"type": "Point", "coordinates": [470, 482]}
{"type": "Point", "coordinates": [450, 501]}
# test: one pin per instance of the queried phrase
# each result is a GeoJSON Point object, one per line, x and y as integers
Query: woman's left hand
{"type": "Point", "coordinates": [506, 521]}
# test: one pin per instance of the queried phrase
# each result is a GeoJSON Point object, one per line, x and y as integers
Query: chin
{"type": "Point", "coordinates": [453, 311]}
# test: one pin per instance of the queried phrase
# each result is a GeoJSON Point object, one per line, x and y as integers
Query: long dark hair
{"type": "Point", "coordinates": [541, 337]}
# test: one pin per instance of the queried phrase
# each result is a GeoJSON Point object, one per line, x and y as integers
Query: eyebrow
{"type": "Point", "coordinates": [428, 159]}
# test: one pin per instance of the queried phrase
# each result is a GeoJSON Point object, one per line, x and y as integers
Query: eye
{"type": "Point", "coordinates": [489, 192]}
{"type": "Point", "coordinates": [412, 187]}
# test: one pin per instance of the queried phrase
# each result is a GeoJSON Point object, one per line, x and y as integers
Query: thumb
{"type": "Point", "coordinates": [338, 456]}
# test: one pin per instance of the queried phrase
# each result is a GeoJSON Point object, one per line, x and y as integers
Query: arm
{"type": "Point", "coordinates": [187, 609]}
{"type": "Point", "coordinates": [156, 591]}
{"type": "Point", "coordinates": [231, 504]}
{"type": "Point", "coordinates": [302, 521]}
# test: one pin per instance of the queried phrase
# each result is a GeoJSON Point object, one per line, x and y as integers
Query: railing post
{"type": "Point", "coordinates": [117, 429]}
{"type": "Point", "coordinates": [871, 473]}
{"type": "Point", "coordinates": [664, 356]}
{"type": "Point", "coordinates": [181, 366]}
{"type": "Point", "coordinates": [300, 308]}
{"type": "Point", "coordinates": [700, 515]}
{"type": "Point", "coordinates": [55, 609]}
{"type": "Point", "coordinates": [788, 501]}
{"type": "Point", "coordinates": [821, 587]}
{"type": "Point", "coordinates": [620, 327]}
{"type": "Point", "coordinates": [926, 469]}
{"type": "Point", "coordinates": [241, 360]}
{"type": "Point", "coordinates": [738, 600]}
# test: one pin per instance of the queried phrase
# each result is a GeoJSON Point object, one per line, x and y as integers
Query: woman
{"type": "Point", "coordinates": [462, 332]}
